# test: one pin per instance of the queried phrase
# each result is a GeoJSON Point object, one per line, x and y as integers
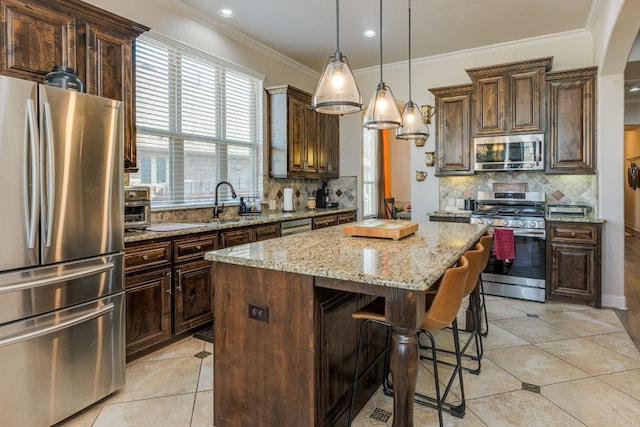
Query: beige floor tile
{"type": "Point", "coordinates": [174, 411]}
{"type": "Point", "coordinates": [581, 323]}
{"type": "Point", "coordinates": [205, 381]}
{"type": "Point", "coordinates": [533, 307]}
{"type": "Point", "coordinates": [533, 330]}
{"type": "Point", "coordinates": [84, 418]}
{"type": "Point", "coordinates": [606, 315]}
{"type": "Point", "coordinates": [186, 347]}
{"type": "Point", "coordinates": [618, 342]}
{"type": "Point", "coordinates": [156, 378]}
{"type": "Point", "coordinates": [520, 408]}
{"type": "Point", "coordinates": [627, 382]}
{"type": "Point", "coordinates": [492, 380]}
{"type": "Point", "coordinates": [532, 365]}
{"type": "Point", "coordinates": [594, 402]}
{"type": "Point", "coordinates": [203, 409]}
{"type": "Point", "coordinates": [499, 338]}
{"type": "Point", "coordinates": [589, 357]}
{"type": "Point", "coordinates": [497, 309]}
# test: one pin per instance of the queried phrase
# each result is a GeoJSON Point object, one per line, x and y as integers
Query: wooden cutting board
{"type": "Point", "coordinates": [381, 228]}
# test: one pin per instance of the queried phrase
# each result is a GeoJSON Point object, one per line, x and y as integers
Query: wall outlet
{"type": "Point", "coordinates": [259, 312]}
{"type": "Point", "coordinates": [272, 205]}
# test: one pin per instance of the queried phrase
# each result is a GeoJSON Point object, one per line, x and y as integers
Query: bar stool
{"type": "Point", "coordinates": [475, 257]}
{"type": "Point", "coordinates": [487, 242]}
{"type": "Point", "coordinates": [440, 314]}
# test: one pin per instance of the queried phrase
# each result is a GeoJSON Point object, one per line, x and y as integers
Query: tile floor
{"type": "Point", "coordinates": [582, 366]}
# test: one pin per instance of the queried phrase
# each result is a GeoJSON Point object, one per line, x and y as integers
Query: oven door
{"type": "Point", "coordinates": [524, 276]}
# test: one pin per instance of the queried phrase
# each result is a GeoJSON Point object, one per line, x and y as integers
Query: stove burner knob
{"type": "Point", "coordinates": [521, 223]}
{"type": "Point", "coordinates": [532, 224]}
{"type": "Point", "coordinates": [479, 221]}
{"type": "Point", "coordinates": [489, 221]}
{"type": "Point", "coordinates": [506, 222]}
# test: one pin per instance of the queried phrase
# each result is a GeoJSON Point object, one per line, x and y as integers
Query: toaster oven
{"type": "Point", "coordinates": [137, 207]}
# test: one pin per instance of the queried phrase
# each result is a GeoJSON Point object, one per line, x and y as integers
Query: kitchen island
{"type": "Point", "coordinates": [275, 360]}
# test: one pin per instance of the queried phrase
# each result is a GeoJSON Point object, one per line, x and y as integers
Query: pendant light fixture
{"type": "Point", "coordinates": [382, 112]}
{"type": "Point", "coordinates": [413, 125]}
{"type": "Point", "coordinates": [337, 91]}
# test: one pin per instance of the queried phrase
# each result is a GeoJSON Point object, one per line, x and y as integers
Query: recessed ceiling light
{"type": "Point", "coordinates": [369, 33]}
{"type": "Point", "coordinates": [226, 13]}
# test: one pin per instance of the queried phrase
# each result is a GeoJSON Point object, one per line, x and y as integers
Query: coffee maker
{"type": "Point", "coordinates": [321, 196]}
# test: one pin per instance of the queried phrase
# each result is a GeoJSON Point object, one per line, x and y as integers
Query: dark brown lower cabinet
{"type": "Point", "coordinates": [148, 309]}
{"type": "Point", "coordinates": [193, 295]}
{"type": "Point", "coordinates": [574, 272]}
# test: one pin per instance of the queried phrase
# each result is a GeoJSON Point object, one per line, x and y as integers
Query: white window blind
{"type": "Point", "coordinates": [199, 122]}
{"type": "Point", "coordinates": [370, 172]}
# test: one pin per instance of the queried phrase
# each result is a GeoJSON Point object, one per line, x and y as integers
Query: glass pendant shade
{"type": "Point", "coordinates": [337, 91]}
{"type": "Point", "coordinates": [382, 112]}
{"type": "Point", "coordinates": [413, 125]}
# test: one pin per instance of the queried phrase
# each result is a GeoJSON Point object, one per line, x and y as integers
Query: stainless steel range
{"type": "Point", "coordinates": [523, 212]}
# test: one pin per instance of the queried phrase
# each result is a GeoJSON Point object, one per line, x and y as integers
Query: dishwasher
{"type": "Point", "coordinates": [295, 226]}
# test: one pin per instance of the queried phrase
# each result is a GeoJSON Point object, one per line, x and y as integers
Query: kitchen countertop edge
{"type": "Point", "coordinates": [223, 224]}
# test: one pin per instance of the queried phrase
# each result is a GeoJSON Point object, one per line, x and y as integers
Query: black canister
{"type": "Point", "coordinates": [470, 205]}
{"type": "Point", "coordinates": [65, 78]}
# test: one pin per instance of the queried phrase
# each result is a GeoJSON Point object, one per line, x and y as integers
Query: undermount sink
{"type": "Point", "coordinates": [228, 220]}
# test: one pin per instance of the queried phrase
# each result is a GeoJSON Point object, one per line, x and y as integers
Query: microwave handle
{"type": "Point", "coordinates": [539, 153]}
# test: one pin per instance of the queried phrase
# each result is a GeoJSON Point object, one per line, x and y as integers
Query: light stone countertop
{"type": "Point", "coordinates": [414, 262]}
{"type": "Point", "coordinates": [577, 219]}
{"type": "Point", "coordinates": [223, 223]}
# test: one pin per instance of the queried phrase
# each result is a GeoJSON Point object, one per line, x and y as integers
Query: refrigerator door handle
{"type": "Point", "coordinates": [50, 187]}
{"type": "Point", "coordinates": [62, 325]}
{"type": "Point", "coordinates": [56, 279]}
{"type": "Point", "coordinates": [31, 147]}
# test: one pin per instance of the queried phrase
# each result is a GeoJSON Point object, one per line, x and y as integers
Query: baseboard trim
{"type": "Point", "coordinates": [614, 301]}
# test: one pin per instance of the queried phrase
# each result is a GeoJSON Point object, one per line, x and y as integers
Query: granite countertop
{"type": "Point", "coordinates": [222, 223]}
{"type": "Point", "coordinates": [570, 218]}
{"type": "Point", "coordinates": [414, 262]}
{"type": "Point", "coordinates": [451, 213]}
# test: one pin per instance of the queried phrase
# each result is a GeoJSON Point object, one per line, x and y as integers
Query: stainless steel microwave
{"type": "Point", "coordinates": [137, 207]}
{"type": "Point", "coordinates": [509, 153]}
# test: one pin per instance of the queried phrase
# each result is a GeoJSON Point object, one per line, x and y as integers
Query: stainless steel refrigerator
{"type": "Point", "coordinates": [61, 252]}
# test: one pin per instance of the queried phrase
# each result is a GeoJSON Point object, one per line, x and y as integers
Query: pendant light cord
{"type": "Point", "coordinates": [410, 101]}
{"type": "Point", "coordinates": [380, 42]}
{"type": "Point", "coordinates": [337, 27]}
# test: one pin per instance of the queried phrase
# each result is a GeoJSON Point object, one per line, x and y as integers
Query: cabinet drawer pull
{"type": "Point", "coordinates": [573, 234]}
{"type": "Point", "coordinates": [199, 247]}
{"type": "Point", "coordinates": [145, 257]}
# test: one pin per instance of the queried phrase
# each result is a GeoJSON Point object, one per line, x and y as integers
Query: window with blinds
{"type": "Point", "coordinates": [199, 122]}
{"type": "Point", "coordinates": [370, 172]}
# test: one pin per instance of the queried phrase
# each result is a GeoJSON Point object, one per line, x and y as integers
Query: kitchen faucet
{"type": "Point", "coordinates": [217, 209]}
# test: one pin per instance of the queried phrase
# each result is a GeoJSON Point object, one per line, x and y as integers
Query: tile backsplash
{"type": "Point", "coordinates": [342, 190]}
{"type": "Point", "coordinates": [559, 189]}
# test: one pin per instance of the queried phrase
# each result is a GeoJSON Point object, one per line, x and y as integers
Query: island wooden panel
{"type": "Point", "coordinates": [296, 367]}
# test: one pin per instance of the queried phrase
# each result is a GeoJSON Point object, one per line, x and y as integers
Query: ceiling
{"type": "Point", "coordinates": [305, 30]}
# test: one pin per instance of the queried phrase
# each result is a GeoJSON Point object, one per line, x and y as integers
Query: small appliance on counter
{"type": "Point", "coordinates": [568, 210]}
{"type": "Point", "coordinates": [137, 207]}
{"type": "Point", "coordinates": [321, 196]}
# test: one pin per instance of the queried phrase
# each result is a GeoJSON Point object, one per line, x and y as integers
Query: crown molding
{"type": "Point", "coordinates": [197, 15]}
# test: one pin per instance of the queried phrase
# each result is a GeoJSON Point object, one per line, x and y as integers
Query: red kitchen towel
{"type": "Point", "coordinates": [503, 244]}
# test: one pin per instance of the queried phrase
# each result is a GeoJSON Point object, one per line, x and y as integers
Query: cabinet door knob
{"type": "Point", "coordinates": [573, 233]}
{"type": "Point", "coordinates": [145, 257]}
{"type": "Point", "coordinates": [199, 247]}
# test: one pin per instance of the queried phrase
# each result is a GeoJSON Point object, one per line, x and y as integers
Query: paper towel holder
{"type": "Point", "coordinates": [287, 200]}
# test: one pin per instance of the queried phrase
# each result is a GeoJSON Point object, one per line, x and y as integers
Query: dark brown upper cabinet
{"type": "Point", "coordinates": [453, 130]}
{"type": "Point", "coordinates": [509, 98]}
{"type": "Point", "coordinates": [302, 143]}
{"type": "Point", "coordinates": [100, 46]}
{"type": "Point", "coordinates": [572, 121]}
